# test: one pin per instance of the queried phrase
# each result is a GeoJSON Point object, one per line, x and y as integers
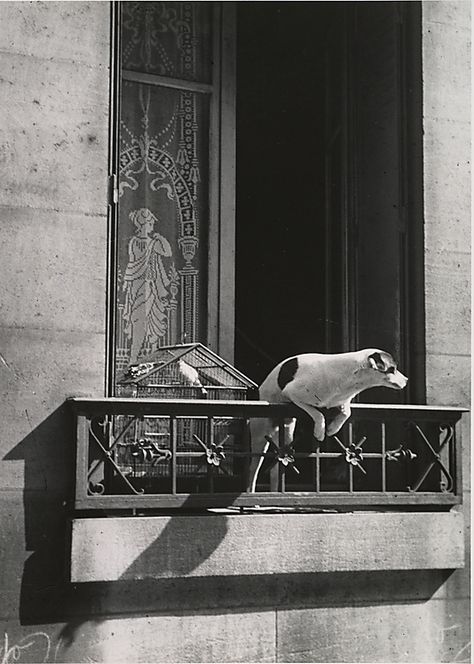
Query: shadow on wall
{"type": "Point", "coordinates": [48, 456]}
{"type": "Point", "coordinates": [173, 554]}
{"type": "Point", "coordinates": [47, 596]}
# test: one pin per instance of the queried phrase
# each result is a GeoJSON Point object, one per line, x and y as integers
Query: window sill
{"type": "Point", "coordinates": [159, 547]}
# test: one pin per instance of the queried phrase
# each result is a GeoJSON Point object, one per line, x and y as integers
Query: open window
{"type": "Point", "coordinates": [329, 167]}
{"type": "Point", "coordinates": [266, 170]}
{"type": "Point", "coordinates": [307, 120]}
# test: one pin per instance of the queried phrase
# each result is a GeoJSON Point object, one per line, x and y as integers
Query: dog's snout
{"type": "Point", "coordinates": [399, 380]}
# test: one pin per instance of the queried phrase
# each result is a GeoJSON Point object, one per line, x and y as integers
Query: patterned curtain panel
{"type": "Point", "coordinates": [163, 180]}
{"type": "Point", "coordinates": [168, 38]}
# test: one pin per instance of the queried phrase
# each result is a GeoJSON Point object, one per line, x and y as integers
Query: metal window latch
{"type": "Point", "coordinates": [113, 189]}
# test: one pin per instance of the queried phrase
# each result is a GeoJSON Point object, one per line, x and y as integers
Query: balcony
{"type": "Point", "coordinates": [150, 454]}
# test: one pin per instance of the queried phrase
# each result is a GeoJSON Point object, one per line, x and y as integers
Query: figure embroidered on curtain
{"type": "Point", "coordinates": [145, 284]}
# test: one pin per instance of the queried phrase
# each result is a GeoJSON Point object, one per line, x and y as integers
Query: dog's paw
{"type": "Point", "coordinates": [319, 434]}
{"type": "Point", "coordinates": [333, 429]}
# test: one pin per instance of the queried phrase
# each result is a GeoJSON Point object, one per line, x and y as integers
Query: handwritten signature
{"type": "Point", "coordinates": [40, 641]}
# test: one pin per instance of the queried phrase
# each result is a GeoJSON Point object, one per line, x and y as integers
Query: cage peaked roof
{"type": "Point", "coordinates": [211, 368]}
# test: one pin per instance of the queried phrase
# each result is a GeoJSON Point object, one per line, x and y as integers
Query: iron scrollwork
{"type": "Point", "coordinates": [107, 456]}
{"type": "Point", "coordinates": [147, 451]}
{"type": "Point", "coordinates": [411, 456]}
{"type": "Point", "coordinates": [95, 488]}
{"type": "Point", "coordinates": [447, 484]}
{"type": "Point", "coordinates": [213, 453]}
{"type": "Point", "coordinates": [402, 453]}
{"type": "Point", "coordinates": [284, 454]}
{"type": "Point", "coordinates": [353, 453]}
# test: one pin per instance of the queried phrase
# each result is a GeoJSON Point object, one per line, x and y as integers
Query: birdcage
{"type": "Point", "coordinates": [185, 371]}
{"type": "Point", "coordinates": [148, 447]}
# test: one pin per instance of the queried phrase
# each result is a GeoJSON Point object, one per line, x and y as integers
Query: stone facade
{"type": "Point", "coordinates": [54, 95]}
{"type": "Point", "coordinates": [447, 178]}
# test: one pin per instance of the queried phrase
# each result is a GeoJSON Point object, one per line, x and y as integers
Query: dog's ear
{"type": "Point", "coordinates": [376, 361]}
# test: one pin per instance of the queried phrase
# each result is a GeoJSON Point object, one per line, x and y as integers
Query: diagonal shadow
{"type": "Point", "coordinates": [46, 595]}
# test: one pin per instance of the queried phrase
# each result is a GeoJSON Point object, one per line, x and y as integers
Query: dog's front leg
{"type": "Point", "coordinates": [343, 412]}
{"type": "Point", "coordinates": [316, 415]}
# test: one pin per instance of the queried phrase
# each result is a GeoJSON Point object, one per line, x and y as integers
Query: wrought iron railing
{"type": "Point", "coordinates": [162, 454]}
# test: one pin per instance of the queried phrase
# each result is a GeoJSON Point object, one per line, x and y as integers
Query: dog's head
{"type": "Point", "coordinates": [384, 370]}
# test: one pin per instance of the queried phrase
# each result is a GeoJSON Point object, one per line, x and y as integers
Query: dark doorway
{"type": "Point", "coordinates": [280, 260]}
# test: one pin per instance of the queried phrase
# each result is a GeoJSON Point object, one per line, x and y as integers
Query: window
{"type": "Point", "coordinates": [325, 250]}
{"type": "Point", "coordinates": [173, 185]}
{"type": "Point", "coordinates": [329, 229]}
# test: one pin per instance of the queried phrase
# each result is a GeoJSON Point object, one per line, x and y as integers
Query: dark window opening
{"type": "Point", "coordinates": [329, 200]}
{"type": "Point", "coordinates": [280, 258]}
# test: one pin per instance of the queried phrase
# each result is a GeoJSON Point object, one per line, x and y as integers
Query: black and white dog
{"type": "Point", "coordinates": [316, 381]}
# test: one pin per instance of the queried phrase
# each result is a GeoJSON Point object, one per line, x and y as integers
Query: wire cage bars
{"type": "Point", "coordinates": [184, 371]}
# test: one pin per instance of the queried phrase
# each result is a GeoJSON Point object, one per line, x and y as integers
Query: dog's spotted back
{"type": "Point", "coordinates": [287, 372]}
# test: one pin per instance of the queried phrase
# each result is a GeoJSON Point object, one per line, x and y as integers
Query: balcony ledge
{"type": "Point", "coordinates": [158, 547]}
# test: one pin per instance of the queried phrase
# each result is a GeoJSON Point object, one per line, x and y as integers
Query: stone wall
{"type": "Point", "coordinates": [447, 154]}
{"type": "Point", "coordinates": [447, 168]}
{"type": "Point", "coordinates": [53, 168]}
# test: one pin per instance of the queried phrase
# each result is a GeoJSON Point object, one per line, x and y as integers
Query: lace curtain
{"type": "Point", "coordinates": [163, 179]}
